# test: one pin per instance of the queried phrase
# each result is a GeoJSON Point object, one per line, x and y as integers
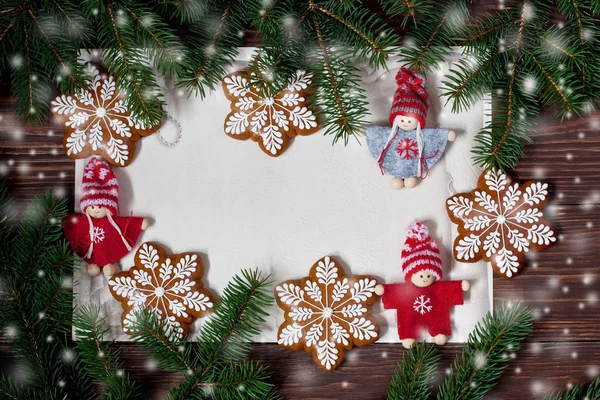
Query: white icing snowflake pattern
{"type": "Point", "coordinates": [271, 119]}
{"type": "Point", "coordinates": [500, 221]}
{"type": "Point", "coordinates": [98, 234]}
{"type": "Point", "coordinates": [422, 305]}
{"type": "Point", "coordinates": [97, 121]}
{"type": "Point", "coordinates": [327, 312]}
{"type": "Point", "coordinates": [168, 285]}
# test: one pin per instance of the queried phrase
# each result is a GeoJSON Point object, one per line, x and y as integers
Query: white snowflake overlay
{"type": "Point", "coordinates": [327, 313]}
{"type": "Point", "coordinates": [269, 119]}
{"type": "Point", "coordinates": [167, 287]}
{"type": "Point", "coordinates": [422, 305]}
{"type": "Point", "coordinates": [97, 121]}
{"type": "Point", "coordinates": [500, 222]}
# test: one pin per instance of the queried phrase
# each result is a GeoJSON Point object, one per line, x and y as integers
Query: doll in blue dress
{"type": "Point", "coordinates": [408, 151]}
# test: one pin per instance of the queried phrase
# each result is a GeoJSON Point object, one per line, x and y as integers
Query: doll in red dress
{"type": "Point", "coordinates": [423, 301]}
{"type": "Point", "coordinates": [99, 236]}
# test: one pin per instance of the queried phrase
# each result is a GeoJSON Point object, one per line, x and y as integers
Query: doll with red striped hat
{"type": "Point", "coordinates": [99, 236]}
{"type": "Point", "coordinates": [409, 150]}
{"type": "Point", "coordinates": [424, 301]}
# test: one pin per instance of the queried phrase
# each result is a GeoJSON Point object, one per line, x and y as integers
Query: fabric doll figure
{"type": "Point", "coordinates": [408, 151]}
{"type": "Point", "coordinates": [99, 236]}
{"type": "Point", "coordinates": [424, 301]}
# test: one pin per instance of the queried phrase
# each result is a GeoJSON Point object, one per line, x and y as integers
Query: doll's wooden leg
{"type": "Point", "coordinates": [411, 182]}
{"type": "Point", "coordinates": [397, 183]}
{"type": "Point", "coordinates": [93, 270]}
{"type": "Point", "coordinates": [440, 339]}
{"type": "Point", "coordinates": [408, 343]}
{"type": "Point", "coordinates": [451, 136]}
{"type": "Point", "coordinates": [110, 269]}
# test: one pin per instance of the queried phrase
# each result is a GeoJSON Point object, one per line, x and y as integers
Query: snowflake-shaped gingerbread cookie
{"type": "Point", "coordinates": [500, 221]}
{"type": "Point", "coordinates": [97, 122]}
{"type": "Point", "coordinates": [171, 286]}
{"type": "Point", "coordinates": [327, 312]}
{"type": "Point", "coordinates": [271, 119]}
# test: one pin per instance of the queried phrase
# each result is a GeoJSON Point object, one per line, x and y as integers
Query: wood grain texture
{"type": "Point", "coordinates": [561, 284]}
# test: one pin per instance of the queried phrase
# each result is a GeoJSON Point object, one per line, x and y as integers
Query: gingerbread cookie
{"type": "Point", "coordinates": [500, 221]}
{"type": "Point", "coordinates": [169, 285]}
{"type": "Point", "coordinates": [327, 313]}
{"type": "Point", "coordinates": [97, 121]}
{"type": "Point", "coordinates": [271, 119]}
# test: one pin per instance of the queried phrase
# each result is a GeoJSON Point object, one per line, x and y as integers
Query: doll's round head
{"type": "Point", "coordinates": [97, 211]}
{"type": "Point", "coordinates": [406, 123]}
{"type": "Point", "coordinates": [422, 278]}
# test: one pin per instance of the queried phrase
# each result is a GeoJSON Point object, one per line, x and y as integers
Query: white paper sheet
{"type": "Point", "coordinates": [240, 208]}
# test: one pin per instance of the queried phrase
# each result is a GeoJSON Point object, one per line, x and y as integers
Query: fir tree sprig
{"type": "Point", "coordinates": [212, 366]}
{"type": "Point", "coordinates": [414, 376]}
{"type": "Point", "coordinates": [101, 358]}
{"type": "Point", "coordinates": [37, 42]}
{"type": "Point", "coordinates": [410, 10]}
{"type": "Point", "coordinates": [486, 353]}
{"type": "Point", "coordinates": [428, 44]}
{"type": "Point", "coordinates": [133, 36]}
{"type": "Point", "coordinates": [36, 304]}
{"type": "Point", "coordinates": [526, 62]}
{"type": "Point", "coordinates": [587, 391]}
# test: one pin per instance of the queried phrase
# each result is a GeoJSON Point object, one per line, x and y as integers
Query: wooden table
{"type": "Point", "coordinates": [561, 285]}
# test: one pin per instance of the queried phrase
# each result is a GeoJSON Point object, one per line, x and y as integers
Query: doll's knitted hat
{"type": "Point", "coordinates": [410, 98]}
{"type": "Point", "coordinates": [99, 186]}
{"type": "Point", "coordinates": [420, 253]}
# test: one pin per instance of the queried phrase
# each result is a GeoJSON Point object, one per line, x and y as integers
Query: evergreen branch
{"type": "Point", "coordinates": [225, 338]}
{"type": "Point", "coordinates": [566, 104]}
{"type": "Point", "coordinates": [414, 375]}
{"type": "Point", "coordinates": [144, 108]}
{"type": "Point", "coordinates": [77, 81]}
{"type": "Point", "coordinates": [484, 356]}
{"type": "Point", "coordinates": [587, 391]}
{"type": "Point", "coordinates": [333, 84]}
{"type": "Point", "coordinates": [170, 52]}
{"type": "Point", "coordinates": [10, 25]}
{"type": "Point", "coordinates": [99, 359]}
{"type": "Point", "coordinates": [360, 31]}
{"type": "Point", "coordinates": [556, 46]}
{"type": "Point", "coordinates": [201, 70]}
{"type": "Point", "coordinates": [509, 114]}
{"type": "Point", "coordinates": [154, 336]}
{"type": "Point", "coordinates": [409, 9]}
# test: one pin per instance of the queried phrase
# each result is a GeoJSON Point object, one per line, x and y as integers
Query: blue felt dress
{"type": "Point", "coordinates": [401, 158]}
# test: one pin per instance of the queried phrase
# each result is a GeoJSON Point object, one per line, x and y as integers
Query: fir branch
{"type": "Point", "coordinates": [338, 91]}
{"type": "Point", "coordinates": [485, 354]}
{"type": "Point", "coordinates": [414, 375]}
{"type": "Point", "coordinates": [409, 9]}
{"type": "Point", "coordinates": [99, 357]}
{"type": "Point", "coordinates": [225, 339]}
{"type": "Point", "coordinates": [359, 29]}
{"type": "Point", "coordinates": [587, 391]}
{"type": "Point", "coordinates": [155, 337]}
{"type": "Point", "coordinates": [37, 306]}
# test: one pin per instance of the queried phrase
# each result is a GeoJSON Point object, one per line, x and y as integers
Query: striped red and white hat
{"type": "Point", "coordinates": [420, 253]}
{"type": "Point", "coordinates": [411, 98]}
{"type": "Point", "coordinates": [99, 186]}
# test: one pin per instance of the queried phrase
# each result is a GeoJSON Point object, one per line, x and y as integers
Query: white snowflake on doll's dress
{"type": "Point", "coordinates": [500, 221]}
{"type": "Point", "coordinates": [97, 121]}
{"type": "Point", "coordinates": [271, 119]}
{"type": "Point", "coordinates": [168, 285]}
{"type": "Point", "coordinates": [98, 234]}
{"type": "Point", "coordinates": [422, 305]}
{"type": "Point", "coordinates": [327, 312]}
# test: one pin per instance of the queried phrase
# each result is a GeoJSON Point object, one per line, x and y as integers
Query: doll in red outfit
{"type": "Point", "coordinates": [424, 301]}
{"type": "Point", "coordinates": [99, 236]}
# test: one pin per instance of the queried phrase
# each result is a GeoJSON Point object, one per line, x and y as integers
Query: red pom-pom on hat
{"type": "Point", "coordinates": [99, 186]}
{"type": "Point", "coordinates": [420, 253]}
{"type": "Point", "coordinates": [411, 98]}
